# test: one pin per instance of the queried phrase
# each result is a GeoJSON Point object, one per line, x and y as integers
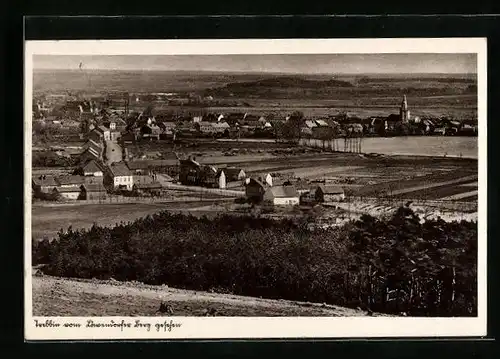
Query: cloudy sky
{"type": "Point", "coordinates": [306, 63]}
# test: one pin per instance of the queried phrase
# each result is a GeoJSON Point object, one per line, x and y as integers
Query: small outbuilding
{"type": "Point", "coordinates": [329, 193]}
{"type": "Point", "coordinates": [92, 191]}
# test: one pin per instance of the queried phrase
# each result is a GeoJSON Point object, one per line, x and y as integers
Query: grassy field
{"type": "Point", "coordinates": [47, 221]}
{"type": "Point", "coordinates": [67, 297]}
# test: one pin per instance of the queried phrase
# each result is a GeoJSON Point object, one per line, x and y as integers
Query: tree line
{"type": "Point", "coordinates": [400, 265]}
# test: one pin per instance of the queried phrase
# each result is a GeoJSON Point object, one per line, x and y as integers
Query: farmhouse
{"type": "Point", "coordinates": [190, 172]}
{"type": "Point", "coordinates": [255, 189]}
{"type": "Point", "coordinates": [119, 176]}
{"type": "Point", "coordinates": [234, 174]}
{"type": "Point", "coordinates": [68, 192]}
{"type": "Point", "coordinates": [92, 191]}
{"type": "Point", "coordinates": [43, 184]}
{"type": "Point", "coordinates": [212, 178]}
{"type": "Point", "coordinates": [329, 193]}
{"type": "Point", "coordinates": [282, 195]}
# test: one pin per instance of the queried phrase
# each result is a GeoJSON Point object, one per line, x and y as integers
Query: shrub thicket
{"type": "Point", "coordinates": [393, 266]}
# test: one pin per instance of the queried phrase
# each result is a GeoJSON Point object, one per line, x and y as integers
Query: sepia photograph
{"type": "Point", "coordinates": [255, 188]}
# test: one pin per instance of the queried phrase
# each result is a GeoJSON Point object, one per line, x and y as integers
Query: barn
{"type": "Point", "coordinates": [329, 193]}
{"type": "Point", "coordinates": [282, 195]}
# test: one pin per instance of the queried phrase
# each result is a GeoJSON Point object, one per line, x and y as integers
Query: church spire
{"type": "Point", "coordinates": [404, 112]}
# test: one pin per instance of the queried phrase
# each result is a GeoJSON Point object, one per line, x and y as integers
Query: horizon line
{"type": "Point", "coordinates": [261, 72]}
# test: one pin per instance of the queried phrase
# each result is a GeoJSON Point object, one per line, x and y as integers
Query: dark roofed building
{"type": "Point", "coordinates": [169, 166]}
{"type": "Point", "coordinates": [93, 191]}
{"type": "Point", "coordinates": [255, 189]}
{"type": "Point", "coordinates": [329, 193]}
{"type": "Point", "coordinates": [70, 180]}
{"type": "Point", "coordinates": [234, 174]}
{"type": "Point", "coordinates": [73, 192]}
{"type": "Point", "coordinates": [43, 184]}
{"type": "Point", "coordinates": [92, 168]}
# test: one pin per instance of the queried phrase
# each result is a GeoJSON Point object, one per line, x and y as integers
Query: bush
{"type": "Point", "coordinates": [393, 266]}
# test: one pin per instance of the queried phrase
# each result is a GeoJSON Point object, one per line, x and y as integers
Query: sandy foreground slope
{"type": "Point", "coordinates": [54, 296]}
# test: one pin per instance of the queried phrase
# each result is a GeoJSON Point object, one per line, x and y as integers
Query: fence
{"type": "Point", "coordinates": [216, 191]}
{"type": "Point", "coordinates": [347, 144]}
{"type": "Point", "coordinates": [449, 205]}
{"type": "Point", "coordinates": [130, 200]}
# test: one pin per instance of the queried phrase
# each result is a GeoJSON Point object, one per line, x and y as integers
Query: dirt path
{"type": "Point", "coordinates": [113, 152]}
{"type": "Point", "coordinates": [70, 297]}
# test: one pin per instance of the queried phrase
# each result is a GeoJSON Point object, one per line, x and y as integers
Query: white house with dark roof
{"type": "Point", "coordinates": [119, 176]}
{"type": "Point", "coordinates": [286, 195]}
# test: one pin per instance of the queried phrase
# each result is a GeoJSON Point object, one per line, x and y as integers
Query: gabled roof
{"type": "Point", "coordinates": [232, 171]}
{"type": "Point", "coordinates": [92, 166]}
{"type": "Point", "coordinates": [70, 180]}
{"type": "Point", "coordinates": [255, 181]}
{"type": "Point", "coordinates": [322, 123]}
{"type": "Point", "coordinates": [331, 189]}
{"type": "Point", "coordinates": [44, 180]}
{"type": "Point", "coordinates": [119, 169]}
{"type": "Point", "coordinates": [102, 129]}
{"type": "Point", "coordinates": [283, 191]}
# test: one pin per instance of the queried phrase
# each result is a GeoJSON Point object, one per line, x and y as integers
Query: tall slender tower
{"type": "Point", "coordinates": [403, 111]}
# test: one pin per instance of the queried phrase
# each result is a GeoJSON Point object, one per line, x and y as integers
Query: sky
{"type": "Point", "coordinates": [289, 63]}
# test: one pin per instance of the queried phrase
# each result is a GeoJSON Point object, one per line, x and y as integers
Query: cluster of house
{"type": "Point", "coordinates": [262, 190]}
{"type": "Point", "coordinates": [192, 173]}
{"type": "Point", "coordinates": [93, 180]}
{"type": "Point", "coordinates": [167, 126]}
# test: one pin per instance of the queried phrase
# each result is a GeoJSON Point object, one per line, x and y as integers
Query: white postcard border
{"type": "Point", "coordinates": [266, 327]}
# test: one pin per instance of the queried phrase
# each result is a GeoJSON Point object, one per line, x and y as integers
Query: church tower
{"type": "Point", "coordinates": [403, 111]}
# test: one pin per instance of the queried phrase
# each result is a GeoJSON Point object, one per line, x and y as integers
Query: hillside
{"type": "Point", "coordinates": [54, 296]}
